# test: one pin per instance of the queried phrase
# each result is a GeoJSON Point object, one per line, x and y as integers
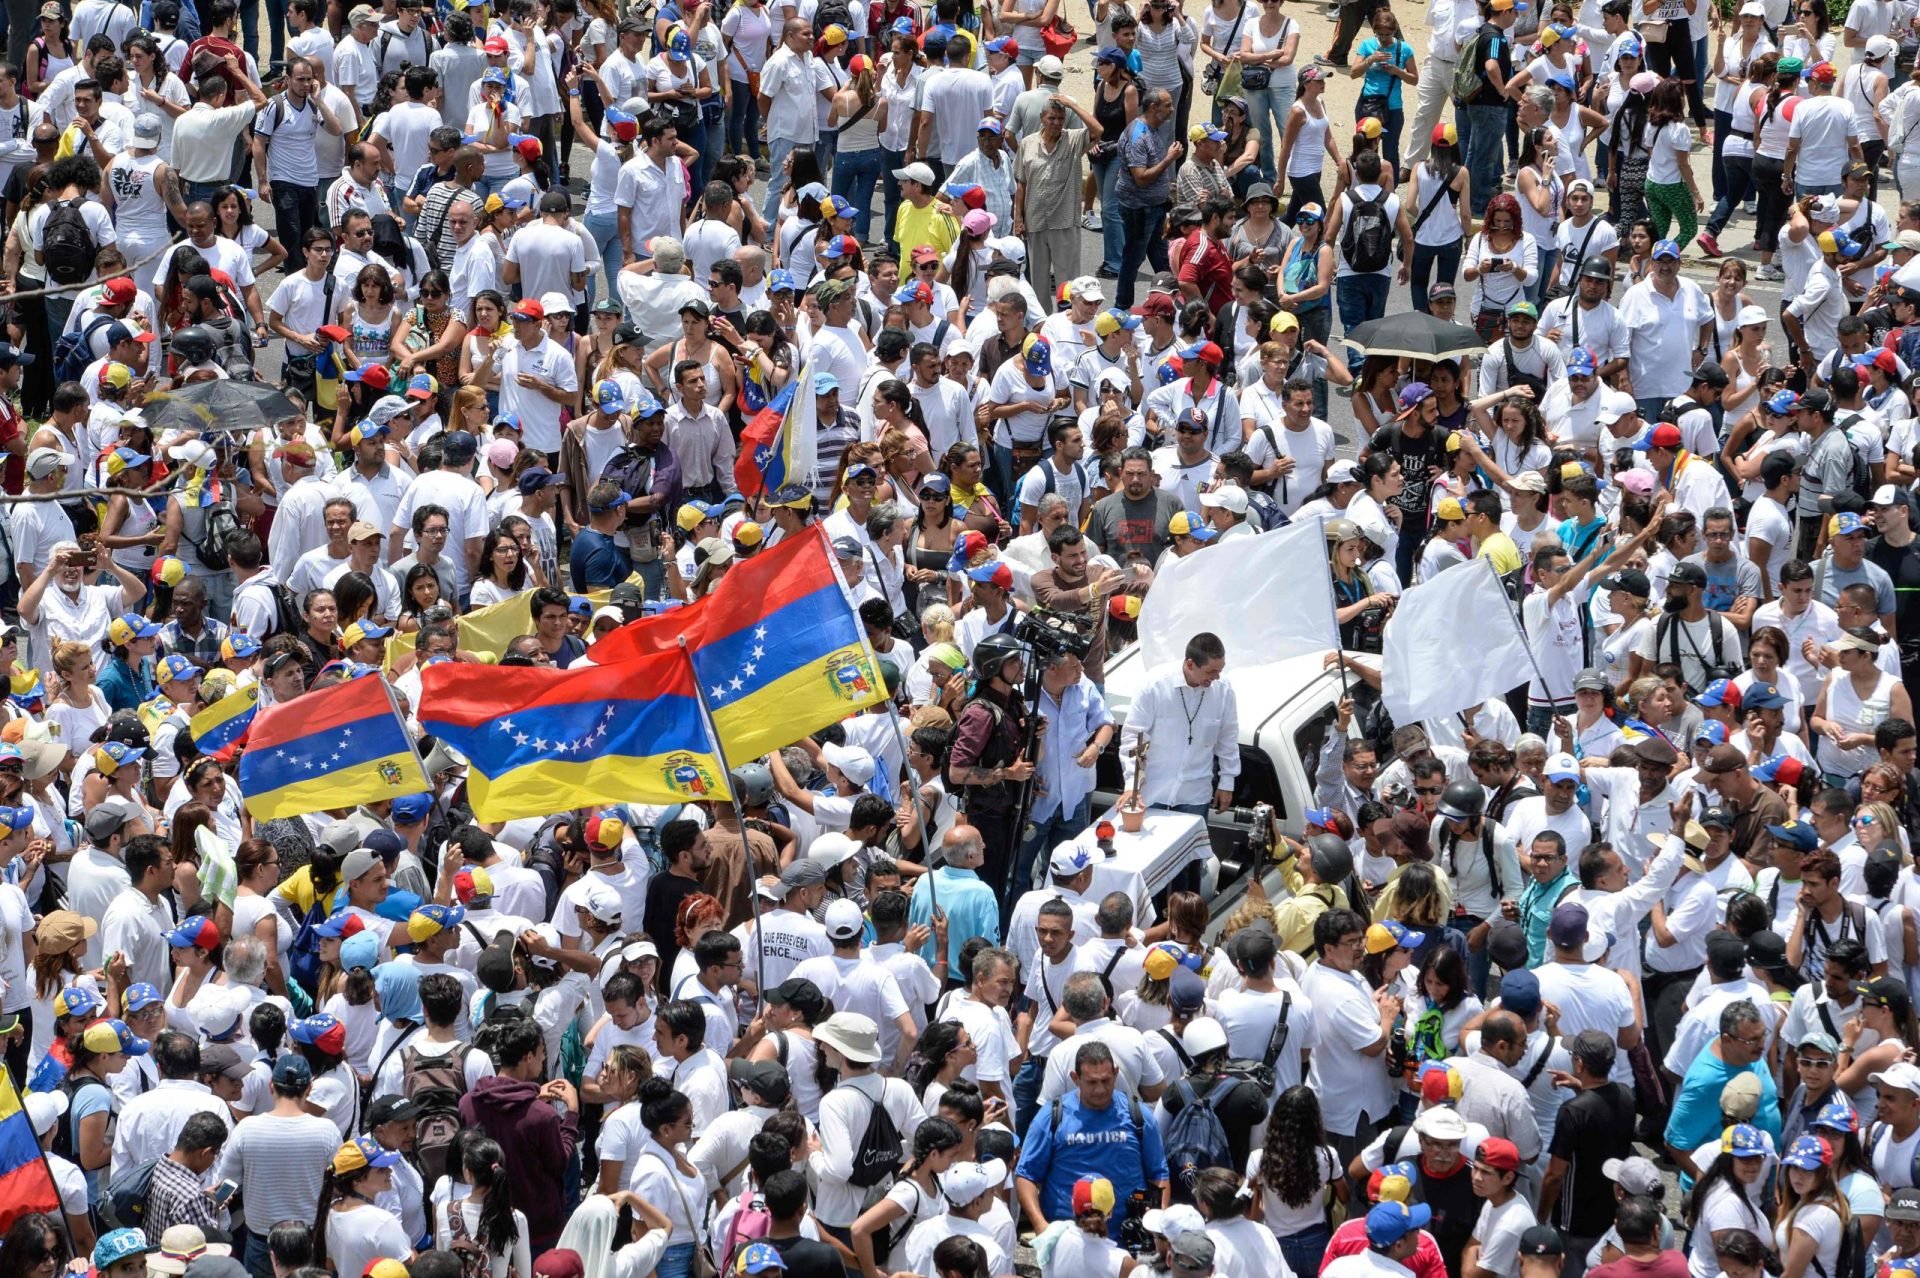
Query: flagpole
{"type": "Point", "coordinates": [911, 788]}
{"type": "Point", "coordinates": [739, 815]}
{"type": "Point", "coordinates": [1333, 609]}
{"type": "Point", "coordinates": [1514, 613]}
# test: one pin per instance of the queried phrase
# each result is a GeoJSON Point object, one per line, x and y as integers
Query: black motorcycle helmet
{"type": "Point", "coordinates": [1463, 801]}
{"type": "Point", "coordinates": [992, 653]}
{"type": "Point", "coordinates": [193, 345]}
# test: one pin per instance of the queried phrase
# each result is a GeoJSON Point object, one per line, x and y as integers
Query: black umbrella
{"type": "Point", "coordinates": [224, 404]}
{"type": "Point", "coordinates": [1416, 335]}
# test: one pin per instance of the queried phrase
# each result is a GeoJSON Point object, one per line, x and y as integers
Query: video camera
{"type": "Point", "coordinates": [1051, 633]}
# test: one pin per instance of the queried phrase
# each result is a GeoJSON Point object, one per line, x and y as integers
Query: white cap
{"type": "Point", "coordinates": [1069, 859]}
{"type": "Point", "coordinates": [1344, 471]}
{"type": "Point", "coordinates": [1881, 46]}
{"type": "Point", "coordinates": [844, 920]}
{"type": "Point", "coordinates": [1901, 1074]}
{"type": "Point", "coordinates": [44, 1109]}
{"type": "Point", "coordinates": [1202, 1035]}
{"type": "Point", "coordinates": [1226, 497]}
{"type": "Point", "coordinates": [1050, 68]}
{"type": "Point", "coordinates": [1086, 288]}
{"type": "Point", "coordinates": [962, 1183]}
{"type": "Point", "coordinates": [854, 762]}
{"type": "Point", "coordinates": [1442, 1122]}
{"type": "Point", "coordinates": [386, 408]}
{"type": "Point", "coordinates": [1825, 207]}
{"type": "Point", "coordinates": [1614, 405]}
{"type": "Point", "coordinates": [1885, 495]}
{"type": "Point", "coordinates": [147, 130]}
{"type": "Point", "coordinates": [1011, 247]}
{"type": "Point", "coordinates": [831, 848]}
{"type": "Point", "coordinates": [599, 899]}
{"type": "Point", "coordinates": [556, 303]}
{"type": "Point", "coordinates": [1753, 9]}
{"type": "Point", "coordinates": [1599, 941]}
{"type": "Point", "coordinates": [1562, 767]}
{"type": "Point", "coordinates": [1749, 314]}
{"type": "Point", "coordinates": [1171, 1222]}
{"type": "Point", "coordinates": [195, 452]}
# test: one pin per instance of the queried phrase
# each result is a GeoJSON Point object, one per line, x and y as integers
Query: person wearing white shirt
{"type": "Point", "coordinates": [788, 98]}
{"type": "Point", "coordinates": [1353, 1026]}
{"type": "Point", "coordinates": [537, 377]}
{"type": "Point", "coordinates": [1193, 699]}
{"type": "Point", "coordinates": [850, 1043]}
{"type": "Point", "coordinates": [1270, 1018]}
{"type": "Point", "coordinates": [149, 1124]}
{"type": "Point", "coordinates": [1666, 319]}
{"type": "Point", "coordinates": [137, 920]}
{"type": "Point", "coordinates": [853, 982]}
{"type": "Point", "coordinates": [356, 64]}
{"type": "Point", "coordinates": [647, 198]}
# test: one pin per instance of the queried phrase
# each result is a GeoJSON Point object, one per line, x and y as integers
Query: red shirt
{"type": "Point", "coordinates": [1351, 1239]}
{"type": "Point", "coordinates": [13, 476]}
{"type": "Point", "coordinates": [1207, 266]}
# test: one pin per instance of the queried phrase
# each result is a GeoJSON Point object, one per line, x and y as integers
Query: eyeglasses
{"type": "Point", "coordinates": [1755, 1041]}
{"type": "Point", "coordinates": [1189, 430]}
{"type": "Point", "coordinates": [433, 292]}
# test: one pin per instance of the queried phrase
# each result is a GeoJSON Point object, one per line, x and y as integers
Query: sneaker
{"type": "Point", "coordinates": [1322, 60]}
{"type": "Point", "coordinates": [1750, 208]}
{"type": "Point", "coordinates": [1106, 273]}
{"type": "Point", "coordinates": [1090, 222]}
{"type": "Point", "coordinates": [1711, 245]}
{"type": "Point", "coordinates": [1769, 272]}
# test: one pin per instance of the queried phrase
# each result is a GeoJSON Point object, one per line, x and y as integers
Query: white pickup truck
{"type": "Point", "coordinates": [1287, 708]}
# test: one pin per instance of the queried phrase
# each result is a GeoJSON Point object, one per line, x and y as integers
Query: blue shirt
{"type": "Point", "coordinates": [596, 560]}
{"type": "Point", "coordinates": [1071, 723]}
{"type": "Point", "coordinates": [1378, 82]}
{"type": "Point", "coordinates": [1142, 148]}
{"type": "Point", "coordinates": [969, 904]}
{"type": "Point", "coordinates": [1092, 1142]}
{"type": "Point", "coordinates": [1695, 1120]}
{"type": "Point", "coordinates": [125, 686]}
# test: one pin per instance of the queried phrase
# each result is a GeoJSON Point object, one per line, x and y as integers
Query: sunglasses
{"type": "Point", "coordinates": [433, 292]}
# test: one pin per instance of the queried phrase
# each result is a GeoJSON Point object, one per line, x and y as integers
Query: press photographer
{"type": "Point", "coordinates": [1073, 712]}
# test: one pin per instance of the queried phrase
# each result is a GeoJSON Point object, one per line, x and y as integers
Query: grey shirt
{"type": "Point", "coordinates": [1142, 148]}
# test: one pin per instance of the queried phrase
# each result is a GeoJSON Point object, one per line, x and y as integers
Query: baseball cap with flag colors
{"type": "Point", "coordinates": [472, 881]}
{"type": "Point", "coordinates": [1093, 1193]}
{"type": "Point", "coordinates": [605, 831]}
{"type": "Point", "coordinates": [104, 1038]}
{"type": "Point", "coordinates": [429, 921]}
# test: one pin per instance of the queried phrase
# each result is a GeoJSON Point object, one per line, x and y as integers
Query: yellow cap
{"type": "Point", "coordinates": [1369, 128]}
{"type": "Point", "coordinates": [1449, 510]}
{"type": "Point", "coordinates": [1284, 322]}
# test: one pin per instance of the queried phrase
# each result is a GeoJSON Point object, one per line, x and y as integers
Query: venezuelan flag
{"type": "Point", "coordinates": [226, 721]}
{"type": "Point", "coordinates": [779, 650]}
{"type": "Point", "coordinates": [779, 444]}
{"type": "Point", "coordinates": [26, 1182]}
{"type": "Point", "coordinates": [329, 749]}
{"type": "Point", "coordinates": [542, 741]}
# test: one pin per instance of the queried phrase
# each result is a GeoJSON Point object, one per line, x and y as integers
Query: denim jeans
{"type": "Point", "coordinates": [1106, 173]}
{"type": "Point", "coordinates": [1267, 111]}
{"type": "Point", "coordinates": [1484, 129]}
{"type": "Point", "coordinates": [701, 139]}
{"type": "Point", "coordinates": [1433, 266]}
{"type": "Point", "coordinates": [677, 1262]}
{"type": "Point", "coordinates": [1059, 828]}
{"type": "Point", "coordinates": [743, 121]}
{"type": "Point", "coordinates": [276, 28]}
{"type": "Point", "coordinates": [1537, 286]}
{"type": "Point", "coordinates": [605, 230]}
{"type": "Point", "coordinates": [1026, 1084]}
{"type": "Point", "coordinates": [1305, 1250]}
{"type": "Point", "coordinates": [1360, 298]}
{"type": "Point", "coordinates": [1144, 241]}
{"type": "Point", "coordinates": [1479, 965]}
{"type": "Point", "coordinates": [256, 1257]}
{"type": "Point", "coordinates": [854, 175]}
{"type": "Point", "coordinates": [778, 150]}
{"type": "Point", "coordinates": [1802, 192]}
{"type": "Point", "coordinates": [1739, 185]}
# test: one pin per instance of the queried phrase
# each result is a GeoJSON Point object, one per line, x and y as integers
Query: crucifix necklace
{"type": "Point", "coordinates": [1194, 713]}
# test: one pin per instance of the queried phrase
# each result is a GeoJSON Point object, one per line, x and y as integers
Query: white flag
{"type": "Point", "coordinates": [1268, 597]}
{"type": "Point", "coordinates": [1451, 643]}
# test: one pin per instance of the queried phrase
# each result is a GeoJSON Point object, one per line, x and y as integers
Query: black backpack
{"type": "Point", "coordinates": [64, 1142]}
{"type": "Point", "coordinates": [221, 525]}
{"type": "Point", "coordinates": [878, 1157]}
{"type": "Point", "coordinates": [68, 243]}
{"type": "Point", "coordinates": [74, 351]}
{"type": "Point", "coordinates": [1366, 241]}
{"type": "Point", "coordinates": [833, 13]}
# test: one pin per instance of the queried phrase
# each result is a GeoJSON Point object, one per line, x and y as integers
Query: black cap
{"type": "Point", "coordinates": [1904, 1205]}
{"type": "Point", "coordinates": [1817, 401]}
{"type": "Point", "coordinates": [1717, 818]}
{"type": "Point", "coordinates": [1729, 947]}
{"type": "Point", "coordinates": [203, 287]}
{"type": "Point", "coordinates": [393, 1108]}
{"type": "Point", "coordinates": [1633, 581]}
{"type": "Point", "coordinates": [127, 729]}
{"type": "Point", "coordinates": [1766, 952]}
{"type": "Point", "coordinates": [1542, 1240]}
{"type": "Point", "coordinates": [1507, 946]}
{"type": "Point", "coordinates": [1710, 373]}
{"type": "Point", "coordinates": [626, 334]}
{"type": "Point", "coordinates": [1596, 268]}
{"type": "Point", "coordinates": [765, 1079]}
{"type": "Point", "coordinates": [801, 995]}
{"type": "Point", "coordinates": [1686, 574]}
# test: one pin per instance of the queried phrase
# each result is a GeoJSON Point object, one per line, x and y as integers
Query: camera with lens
{"type": "Point", "coordinates": [1051, 633]}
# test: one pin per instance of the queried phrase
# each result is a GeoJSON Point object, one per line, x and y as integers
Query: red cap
{"type": "Point", "coordinates": [1499, 1153]}
{"type": "Point", "coordinates": [1156, 304]}
{"type": "Point", "coordinates": [1823, 72]}
{"type": "Point", "coordinates": [975, 198]}
{"type": "Point", "coordinates": [626, 130]}
{"type": "Point", "coordinates": [1209, 353]}
{"type": "Point", "coordinates": [923, 292]}
{"type": "Point", "coordinates": [118, 291]}
{"type": "Point", "coordinates": [495, 44]}
{"type": "Point", "coordinates": [528, 308]}
{"type": "Point", "coordinates": [1665, 435]}
{"type": "Point", "coordinates": [333, 333]}
{"type": "Point", "coordinates": [144, 335]}
{"type": "Point", "coordinates": [378, 376]}
{"type": "Point", "coordinates": [926, 253]}
{"type": "Point", "coordinates": [1887, 362]}
{"type": "Point", "coordinates": [529, 149]}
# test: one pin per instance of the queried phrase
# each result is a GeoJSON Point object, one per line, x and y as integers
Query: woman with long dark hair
{"type": "Point", "coordinates": [1772, 200]}
{"type": "Point", "coordinates": [350, 1230]}
{"type": "Point", "coordinates": [1670, 191]}
{"type": "Point", "coordinates": [1813, 1214]}
{"type": "Point", "coordinates": [1730, 1195]}
{"type": "Point", "coordinates": [1441, 199]}
{"type": "Point", "coordinates": [485, 1221]}
{"type": "Point", "coordinates": [1887, 1010]}
{"type": "Point", "coordinates": [1627, 152]}
{"type": "Point", "coordinates": [503, 570]}
{"type": "Point", "coordinates": [35, 1246]}
{"type": "Point", "coordinates": [915, 1196]}
{"type": "Point", "coordinates": [1294, 1174]}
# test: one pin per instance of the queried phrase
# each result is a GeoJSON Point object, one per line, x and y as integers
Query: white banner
{"type": "Point", "coordinates": [1451, 643]}
{"type": "Point", "coordinates": [1268, 598]}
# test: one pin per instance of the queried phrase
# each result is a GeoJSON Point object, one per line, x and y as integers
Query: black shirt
{"type": "Point", "coordinates": [1492, 44]}
{"type": "Point", "coordinates": [808, 1259]}
{"type": "Point", "coordinates": [1592, 1127]}
{"type": "Point", "coordinates": [1241, 1110]}
{"type": "Point", "coordinates": [1415, 455]}
{"type": "Point", "coordinates": [664, 895]}
{"type": "Point", "coordinates": [1902, 563]}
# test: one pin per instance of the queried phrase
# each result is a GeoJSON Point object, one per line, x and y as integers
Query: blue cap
{"type": "Point", "coordinates": [493, 75]}
{"type": "Point", "coordinates": [119, 1245]}
{"type": "Point", "coordinates": [1719, 693]}
{"type": "Point", "coordinates": [1838, 1115]}
{"type": "Point", "coordinates": [902, 26]}
{"type": "Point", "coordinates": [1764, 696]}
{"type": "Point", "coordinates": [1389, 1222]}
{"type": "Point", "coordinates": [1808, 1153]}
{"type": "Point", "coordinates": [309, 1030]}
{"type": "Point", "coordinates": [1666, 248]}
{"type": "Point", "coordinates": [647, 404]}
{"type": "Point", "coordinates": [1520, 992]}
{"type": "Point", "coordinates": [937, 484]}
{"type": "Point", "coordinates": [409, 808]}
{"type": "Point", "coordinates": [1744, 1140]}
{"type": "Point", "coordinates": [335, 925]}
{"type": "Point", "coordinates": [1782, 403]}
{"type": "Point", "coordinates": [614, 502]}
{"type": "Point", "coordinates": [825, 383]}
{"type": "Point", "coordinates": [840, 206]}
{"type": "Point", "coordinates": [77, 1000]}
{"type": "Point", "coordinates": [580, 605]}
{"type": "Point", "coordinates": [173, 667]}
{"type": "Point", "coordinates": [1845, 524]}
{"type": "Point", "coordinates": [761, 1257]}
{"type": "Point", "coordinates": [292, 1071]}
{"type": "Point", "coordinates": [780, 280]}
{"type": "Point", "coordinates": [1712, 732]}
{"type": "Point", "coordinates": [1581, 363]}
{"type": "Point", "coordinates": [14, 820]}
{"type": "Point", "coordinates": [140, 996]}
{"type": "Point", "coordinates": [1798, 835]}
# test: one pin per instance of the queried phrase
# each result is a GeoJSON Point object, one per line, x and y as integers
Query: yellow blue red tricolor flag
{"type": "Point", "coordinates": [779, 443]}
{"type": "Point", "coordinates": [225, 721]}
{"type": "Point", "coordinates": [333, 748]}
{"type": "Point", "coordinates": [777, 647]}
{"type": "Point", "coordinates": [540, 740]}
{"type": "Point", "coordinates": [26, 1183]}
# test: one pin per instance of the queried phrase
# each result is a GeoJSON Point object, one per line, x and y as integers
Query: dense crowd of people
{"type": "Point", "coordinates": [476, 332]}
